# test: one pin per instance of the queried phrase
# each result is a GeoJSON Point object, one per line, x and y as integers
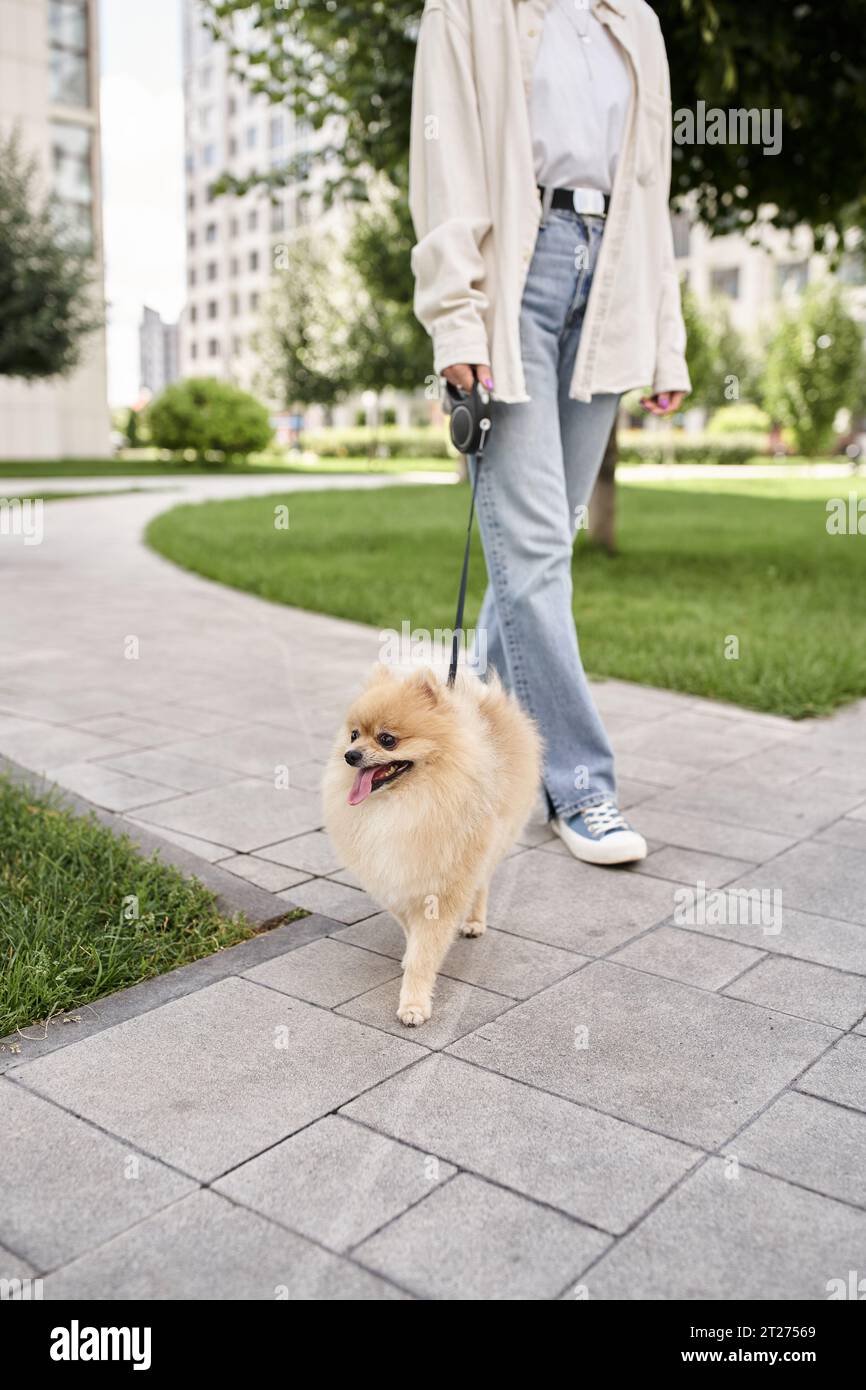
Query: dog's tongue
{"type": "Point", "coordinates": [362, 785]}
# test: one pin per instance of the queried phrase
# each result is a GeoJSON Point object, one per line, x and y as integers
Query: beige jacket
{"type": "Point", "coordinates": [476, 208]}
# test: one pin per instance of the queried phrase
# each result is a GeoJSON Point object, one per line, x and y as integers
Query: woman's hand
{"type": "Point", "coordinates": [461, 375]}
{"type": "Point", "coordinates": [663, 402]}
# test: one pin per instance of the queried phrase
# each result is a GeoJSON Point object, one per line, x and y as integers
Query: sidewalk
{"type": "Point", "coordinates": [606, 1103]}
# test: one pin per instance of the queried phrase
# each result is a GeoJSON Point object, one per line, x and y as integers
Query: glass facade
{"type": "Point", "coordinates": [68, 42]}
{"type": "Point", "coordinates": [72, 162]}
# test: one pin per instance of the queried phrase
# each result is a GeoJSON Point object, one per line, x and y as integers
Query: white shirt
{"type": "Point", "coordinates": [581, 91]}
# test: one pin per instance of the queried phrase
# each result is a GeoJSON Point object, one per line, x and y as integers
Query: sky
{"type": "Point", "coordinates": [142, 169]}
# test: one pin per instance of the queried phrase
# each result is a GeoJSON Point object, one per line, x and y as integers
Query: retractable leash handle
{"type": "Point", "coordinates": [470, 428]}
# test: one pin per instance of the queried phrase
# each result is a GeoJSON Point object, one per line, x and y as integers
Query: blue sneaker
{"type": "Point", "coordinates": [601, 835]}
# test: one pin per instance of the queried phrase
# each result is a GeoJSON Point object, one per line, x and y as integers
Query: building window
{"type": "Point", "coordinates": [276, 131]}
{"type": "Point", "coordinates": [254, 260]}
{"type": "Point", "coordinates": [193, 313]}
{"type": "Point", "coordinates": [234, 227]}
{"type": "Point", "coordinates": [792, 278]}
{"type": "Point", "coordinates": [278, 218]}
{"type": "Point", "coordinates": [233, 146]}
{"type": "Point", "coordinates": [254, 300]}
{"type": "Point", "coordinates": [193, 351]}
{"type": "Point", "coordinates": [192, 275]}
{"type": "Point", "coordinates": [252, 220]}
{"type": "Point", "coordinates": [213, 348]}
{"type": "Point", "coordinates": [252, 137]}
{"type": "Point", "coordinates": [211, 231]}
{"type": "Point", "coordinates": [208, 156]}
{"type": "Point", "coordinates": [190, 239]}
{"type": "Point", "coordinates": [212, 270]}
{"type": "Point", "coordinates": [852, 268]}
{"type": "Point", "coordinates": [235, 303]}
{"type": "Point", "coordinates": [72, 163]}
{"type": "Point", "coordinates": [212, 309]}
{"type": "Point", "coordinates": [725, 281]}
{"type": "Point", "coordinates": [68, 38]}
{"type": "Point", "coordinates": [237, 346]}
{"type": "Point", "coordinates": [233, 105]}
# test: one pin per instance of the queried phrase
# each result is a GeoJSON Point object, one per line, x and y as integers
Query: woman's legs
{"type": "Point", "coordinates": [527, 490]}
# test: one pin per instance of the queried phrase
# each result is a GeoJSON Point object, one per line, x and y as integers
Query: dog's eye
{"type": "Point", "coordinates": [356, 733]}
{"type": "Point", "coordinates": [386, 740]}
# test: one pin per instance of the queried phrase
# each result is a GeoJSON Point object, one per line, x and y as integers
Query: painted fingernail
{"type": "Point", "coordinates": [488, 382]}
{"type": "Point", "coordinates": [664, 402]}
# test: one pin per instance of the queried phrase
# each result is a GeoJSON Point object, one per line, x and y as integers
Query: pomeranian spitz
{"type": "Point", "coordinates": [425, 792]}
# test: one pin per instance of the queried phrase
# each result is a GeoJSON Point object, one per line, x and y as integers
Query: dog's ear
{"type": "Point", "coordinates": [379, 674]}
{"type": "Point", "coordinates": [427, 683]}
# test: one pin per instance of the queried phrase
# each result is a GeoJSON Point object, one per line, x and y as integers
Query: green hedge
{"type": "Point", "coordinates": [650, 446]}
{"type": "Point", "coordinates": [390, 441]}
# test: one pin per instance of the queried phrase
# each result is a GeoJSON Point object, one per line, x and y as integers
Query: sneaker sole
{"type": "Point", "coordinates": [630, 847]}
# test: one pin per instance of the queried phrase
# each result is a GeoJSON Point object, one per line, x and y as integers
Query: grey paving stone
{"type": "Point", "coordinates": [274, 878]}
{"type": "Point", "coordinates": [333, 900]}
{"type": "Point", "coordinates": [810, 1142]}
{"type": "Point", "coordinates": [314, 853]}
{"type": "Point", "coordinates": [719, 1238]}
{"type": "Point", "coordinates": [255, 750]}
{"type": "Point", "coordinates": [116, 791]}
{"type": "Point", "coordinates": [165, 766]}
{"type": "Point", "coordinates": [471, 1241]}
{"type": "Point", "coordinates": [575, 906]}
{"type": "Point", "coordinates": [507, 964]}
{"type": "Point", "coordinates": [49, 745]}
{"type": "Point", "coordinates": [346, 876]}
{"type": "Point", "coordinates": [631, 792]}
{"type": "Point", "coordinates": [64, 1186]}
{"type": "Point", "coordinates": [700, 739]}
{"type": "Point", "coordinates": [810, 991]}
{"type": "Point", "coordinates": [846, 831]}
{"type": "Point", "coordinates": [597, 1169]}
{"type": "Point", "coordinates": [137, 733]}
{"type": "Point", "coordinates": [205, 849]}
{"type": "Point", "coordinates": [804, 935]}
{"type": "Point", "coordinates": [243, 815]}
{"type": "Point", "coordinates": [206, 1248]}
{"type": "Point", "coordinates": [682, 1061]}
{"type": "Point", "coordinates": [840, 1075]}
{"type": "Point", "coordinates": [822, 878]}
{"type": "Point", "coordinates": [688, 866]}
{"type": "Point", "coordinates": [695, 960]}
{"type": "Point", "coordinates": [13, 1267]}
{"type": "Point", "coordinates": [207, 1081]}
{"type": "Point", "coordinates": [326, 972]}
{"type": "Point", "coordinates": [457, 1009]}
{"type": "Point", "coordinates": [335, 1182]}
{"type": "Point", "coordinates": [708, 836]}
{"type": "Point", "coordinates": [660, 772]}
{"type": "Point", "coordinates": [742, 800]}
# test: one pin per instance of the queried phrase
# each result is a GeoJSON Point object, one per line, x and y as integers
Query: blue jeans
{"type": "Point", "coordinates": [538, 471]}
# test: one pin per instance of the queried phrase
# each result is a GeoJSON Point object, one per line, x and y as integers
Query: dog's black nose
{"type": "Point", "coordinates": [354, 757]}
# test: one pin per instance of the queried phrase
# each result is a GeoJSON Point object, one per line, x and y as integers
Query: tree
{"type": "Point", "coordinates": [212, 419]}
{"type": "Point", "coordinates": [815, 368]}
{"type": "Point", "coordinates": [720, 366]}
{"type": "Point", "coordinates": [303, 338]}
{"type": "Point", "coordinates": [46, 279]}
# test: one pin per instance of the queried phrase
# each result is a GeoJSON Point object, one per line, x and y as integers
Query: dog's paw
{"type": "Point", "coordinates": [475, 928]}
{"type": "Point", "coordinates": [414, 1014]}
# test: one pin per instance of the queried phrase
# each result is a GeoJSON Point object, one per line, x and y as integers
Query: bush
{"type": "Point", "coordinates": [389, 415]}
{"type": "Point", "coordinates": [388, 442]}
{"type": "Point", "coordinates": [209, 419]}
{"type": "Point", "coordinates": [739, 417]}
{"type": "Point", "coordinates": [657, 446]}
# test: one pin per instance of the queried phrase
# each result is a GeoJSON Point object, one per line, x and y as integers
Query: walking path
{"type": "Point", "coordinates": [631, 1088]}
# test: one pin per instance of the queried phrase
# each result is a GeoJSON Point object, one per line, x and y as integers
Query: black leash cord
{"type": "Point", "coordinates": [461, 598]}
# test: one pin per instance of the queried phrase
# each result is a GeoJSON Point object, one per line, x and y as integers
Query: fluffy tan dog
{"type": "Point", "coordinates": [425, 792]}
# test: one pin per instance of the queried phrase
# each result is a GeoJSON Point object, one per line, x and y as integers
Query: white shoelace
{"type": "Point", "coordinates": [600, 819]}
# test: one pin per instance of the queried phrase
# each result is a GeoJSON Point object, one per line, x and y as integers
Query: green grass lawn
{"type": "Point", "coordinates": [699, 561]}
{"type": "Point", "coordinates": [149, 467]}
{"type": "Point", "coordinates": [82, 914]}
